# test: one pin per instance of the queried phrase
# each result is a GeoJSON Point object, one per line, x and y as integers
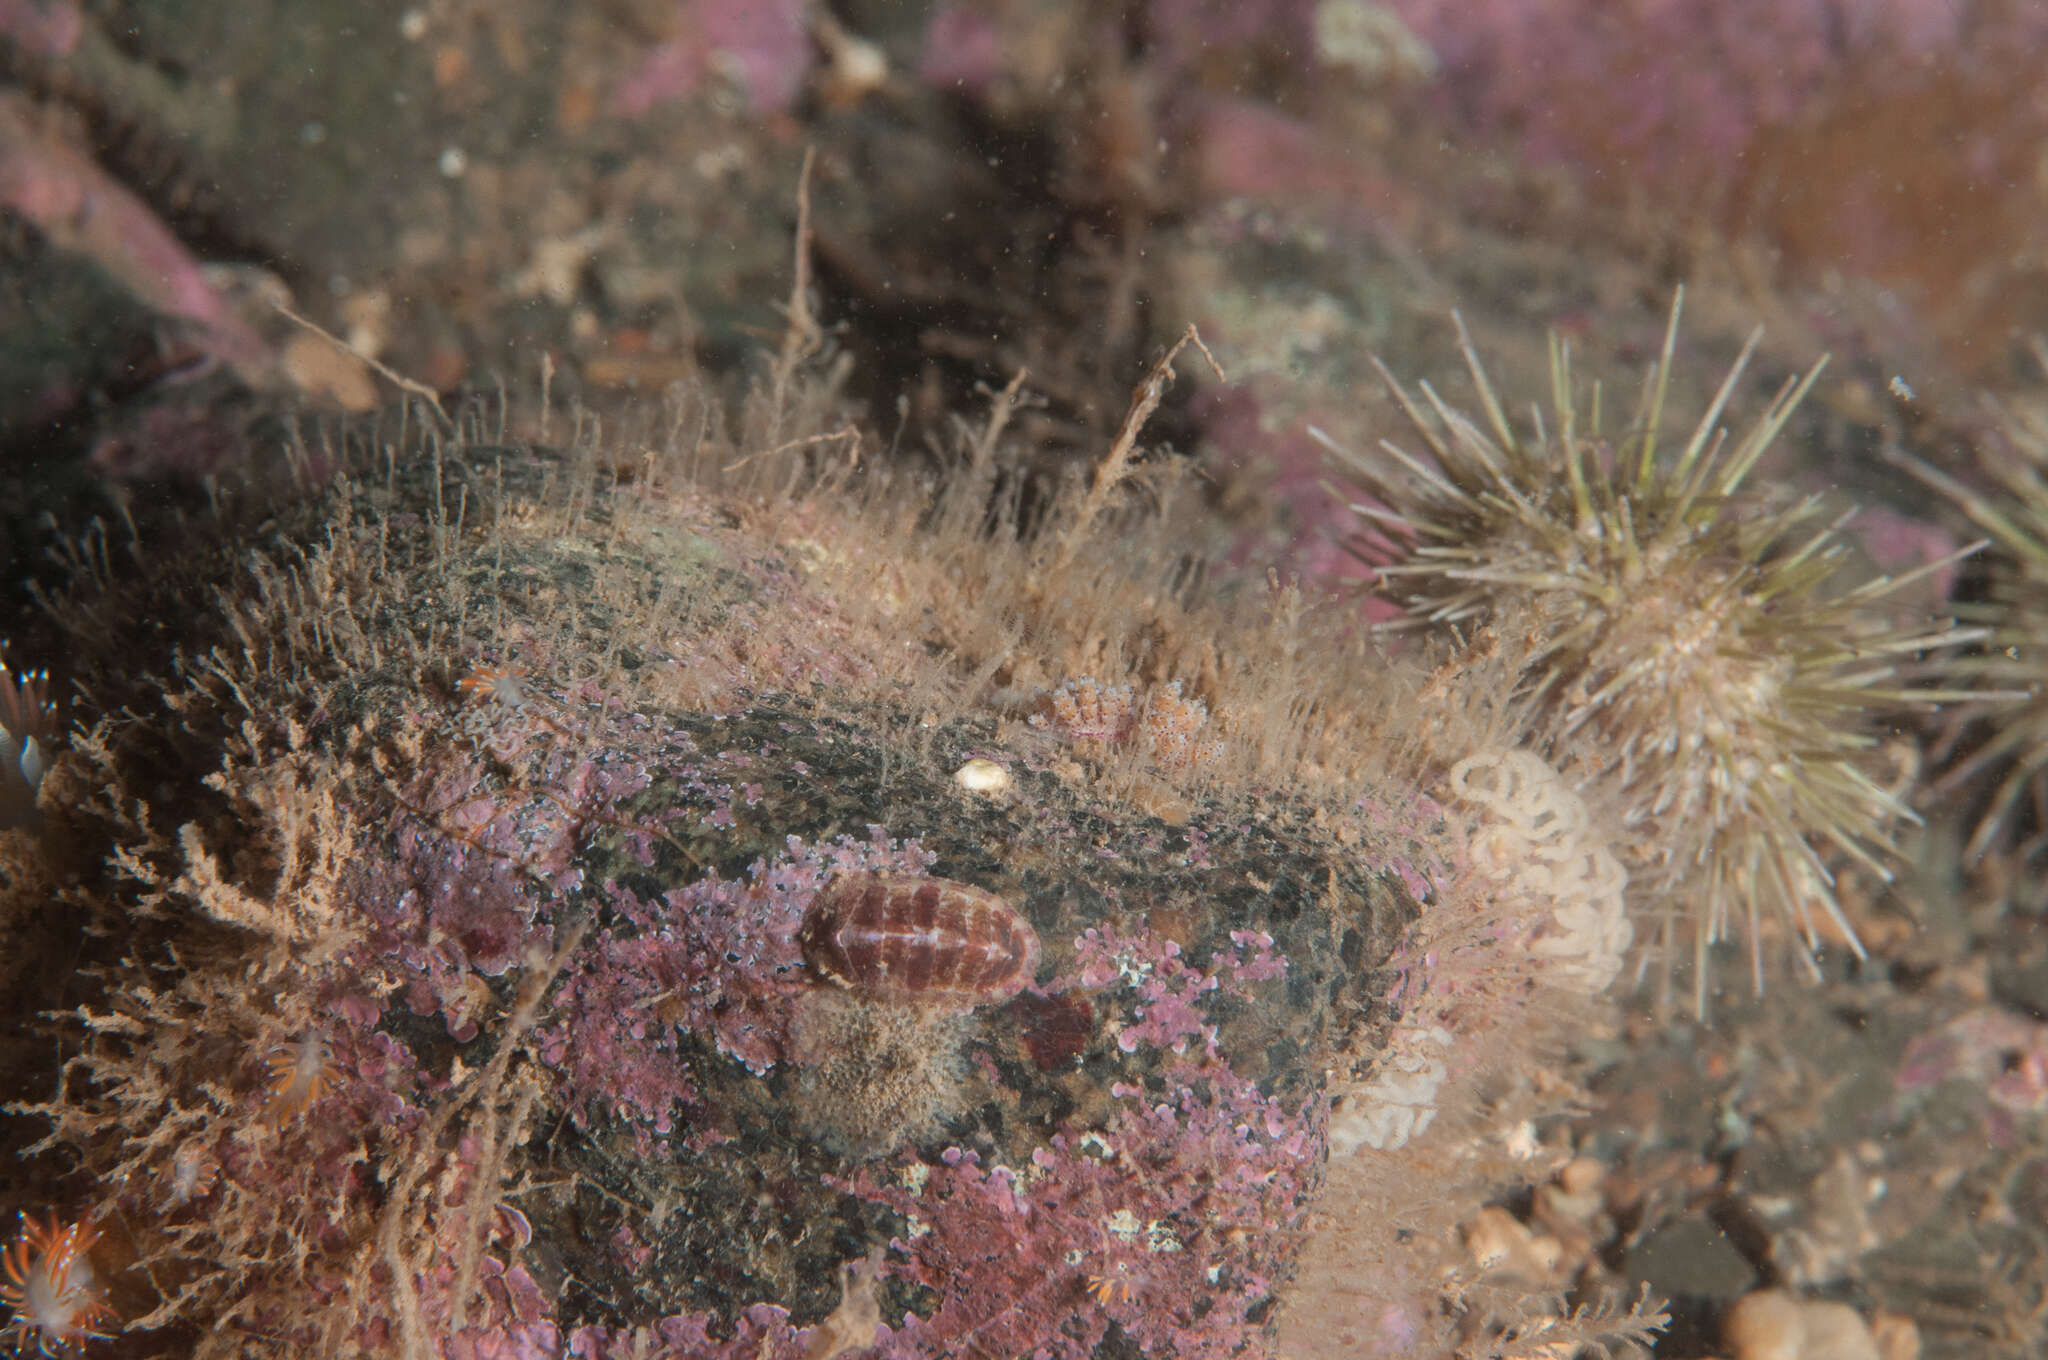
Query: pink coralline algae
{"type": "Point", "coordinates": [464, 898]}
{"type": "Point", "coordinates": [719, 957]}
{"type": "Point", "coordinates": [1996, 1050]}
{"type": "Point", "coordinates": [47, 28]}
{"type": "Point", "coordinates": [1170, 1224]}
{"type": "Point", "coordinates": [1293, 473]}
{"type": "Point", "coordinates": [684, 1006]}
{"type": "Point", "coordinates": [1168, 993]}
{"type": "Point", "coordinates": [962, 49]}
{"type": "Point", "coordinates": [669, 1053]}
{"type": "Point", "coordinates": [506, 1315]}
{"type": "Point", "coordinates": [58, 187]}
{"type": "Point", "coordinates": [761, 46]}
{"type": "Point", "coordinates": [1684, 86]}
{"type": "Point", "coordinates": [1189, 32]}
{"type": "Point", "coordinates": [1255, 436]}
{"type": "Point", "coordinates": [763, 1332]}
{"type": "Point", "coordinates": [1898, 543]}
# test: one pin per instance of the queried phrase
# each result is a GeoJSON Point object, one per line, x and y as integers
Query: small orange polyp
{"type": "Point", "coordinates": [50, 1285]}
{"type": "Point", "coordinates": [299, 1075]}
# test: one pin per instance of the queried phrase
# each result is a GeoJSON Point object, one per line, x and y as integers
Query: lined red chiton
{"type": "Point", "coordinates": [900, 938]}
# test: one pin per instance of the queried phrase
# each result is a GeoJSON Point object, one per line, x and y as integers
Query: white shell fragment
{"type": "Point", "coordinates": [982, 776]}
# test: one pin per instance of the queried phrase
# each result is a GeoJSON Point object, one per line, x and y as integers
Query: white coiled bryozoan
{"type": "Point", "coordinates": [1557, 916]}
{"type": "Point", "coordinates": [1534, 839]}
{"type": "Point", "coordinates": [1400, 1100]}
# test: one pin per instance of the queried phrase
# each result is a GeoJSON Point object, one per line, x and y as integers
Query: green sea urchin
{"type": "Point", "coordinates": [2009, 674]}
{"type": "Point", "coordinates": [1696, 662]}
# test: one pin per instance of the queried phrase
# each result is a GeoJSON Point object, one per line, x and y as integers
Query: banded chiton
{"type": "Point", "coordinates": [900, 938]}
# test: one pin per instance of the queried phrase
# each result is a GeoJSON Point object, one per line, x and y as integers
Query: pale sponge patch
{"type": "Point", "coordinates": [1535, 839]}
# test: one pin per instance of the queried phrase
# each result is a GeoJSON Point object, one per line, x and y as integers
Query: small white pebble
{"type": "Point", "coordinates": [982, 776]}
{"type": "Point", "coordinates": [412, 25]}
{"type": "Point", "coordinates": [454, 162]}
{"type": "Point", "coordinates": [860, 66]}
{"type": "Point", "coordinates": [1770, 1324]}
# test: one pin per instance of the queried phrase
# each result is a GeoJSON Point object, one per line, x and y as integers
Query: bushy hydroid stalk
{"type": "Point", "coordinates": [2008, 676]}
{"type": "Point", "coordinates": [1697, 660]}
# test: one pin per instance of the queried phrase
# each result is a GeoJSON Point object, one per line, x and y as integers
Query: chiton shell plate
{"type": "Point", "coordinates": [902, 938]}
